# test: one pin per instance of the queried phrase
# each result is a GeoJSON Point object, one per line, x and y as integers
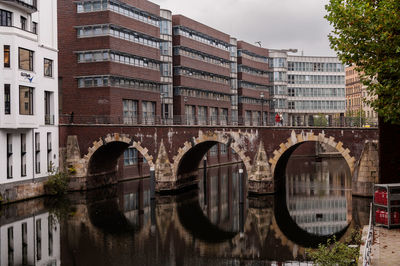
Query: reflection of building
{"type": "Point", "coordinates": [318, 197]}
{"type": "Point", "coordinates": [28, 91]}
{"type": "Point", "coordinates": [31, 241]}
{"type": "Point", "coordinates": [135, 202]}
{"type": "Point", "coordinates": [316, 90]}
{"type": "Point", "coordinates": [221, 204]}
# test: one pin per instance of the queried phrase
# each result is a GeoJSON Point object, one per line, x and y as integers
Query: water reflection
{"type": "Point", "coordinates": [120, 225]}
{"type": "Point", "coordinates": [29, 235]}
{"type": "Point", "coordinates": [318, 194]}
{"type": "Point", "coordinates": [219, 196]}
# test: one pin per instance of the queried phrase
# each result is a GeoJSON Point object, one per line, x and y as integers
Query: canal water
{"type": "Point", "coordinates": [207, 225]}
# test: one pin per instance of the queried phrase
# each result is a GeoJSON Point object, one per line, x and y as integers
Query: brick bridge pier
{"type": "Point", "coordinates": [176, 152]}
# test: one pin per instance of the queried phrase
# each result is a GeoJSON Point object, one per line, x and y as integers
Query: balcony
{"type": "Point", "coordinates": [29, 6]}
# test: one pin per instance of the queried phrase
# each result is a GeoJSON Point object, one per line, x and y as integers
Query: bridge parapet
{"type": "Point", "coordinates": [179, 149]}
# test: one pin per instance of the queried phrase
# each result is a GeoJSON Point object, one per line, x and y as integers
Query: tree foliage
{"type": "Point", "coordinates": [367, 33]}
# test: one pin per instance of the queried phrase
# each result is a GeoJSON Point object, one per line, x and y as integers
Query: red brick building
{"type": "Point", "coordinates": [254, 82]}
{"type": "Point", "coordinates": [110, 60]}
{"type": "Point", "coordinates": [202, 89]}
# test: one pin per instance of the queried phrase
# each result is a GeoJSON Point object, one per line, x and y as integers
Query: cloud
{"type": "Point", "coordinates": [277, 24]}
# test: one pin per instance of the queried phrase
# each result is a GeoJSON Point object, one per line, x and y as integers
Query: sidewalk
{"type": "Point", "coordinates": [386, 247]}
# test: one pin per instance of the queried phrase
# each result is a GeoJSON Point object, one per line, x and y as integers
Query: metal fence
{"type": "Point", "coordinates": [368, 243]}
{"type": "Point", "coordinates": [192, 120]}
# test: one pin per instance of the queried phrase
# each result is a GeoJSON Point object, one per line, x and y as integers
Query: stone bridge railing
{"type": "Point", "coordinates": [219, 120]}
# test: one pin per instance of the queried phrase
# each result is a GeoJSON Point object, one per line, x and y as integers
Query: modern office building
{"type": "Point", "coordinates": [202, 73]}
{"type": "Point", "coordinates": [279, 93]}
{"type": "Point", "coordinates": [254, 84]}
{"type": "Point", "coordinates": [356, 97]}
{"type": "Point", "coordinates": [316, 90]}
{"type": "Point", "coordinates": [29, 92]}
{"type": "Point", "coordinates": [110, 61]}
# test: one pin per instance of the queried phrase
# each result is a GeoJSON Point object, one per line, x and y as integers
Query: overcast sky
{"type": "Point", "coordinates": [280, 24]}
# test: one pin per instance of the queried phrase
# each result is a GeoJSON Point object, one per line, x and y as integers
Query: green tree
{"type": "Point", "coordinates": [320, 120]}
{"type": "Point", "coordinates": [367, 33]}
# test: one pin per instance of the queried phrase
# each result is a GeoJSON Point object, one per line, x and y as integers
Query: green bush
{"type": "Point", "coordinates": [57, 184]}
{"type": "Point", "coordinates": [337, 253]}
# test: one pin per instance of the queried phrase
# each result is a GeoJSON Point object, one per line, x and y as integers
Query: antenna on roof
{"type": "Point", "coordinates": [259, 43]}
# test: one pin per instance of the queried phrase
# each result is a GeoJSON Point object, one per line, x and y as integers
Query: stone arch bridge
{"type": "Point", "coordinates": [175, 152]}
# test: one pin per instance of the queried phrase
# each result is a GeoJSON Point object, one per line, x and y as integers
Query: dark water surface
{"type": "Point", "coordinates": [207, 225]}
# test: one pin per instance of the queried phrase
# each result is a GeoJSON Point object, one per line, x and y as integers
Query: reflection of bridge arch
{"type": "Point", "coordinates": [190, 155]}
{"type": "Point", "coordinates": [282, 155]}
{"type": "Point", "coordinates": [292, 231]}
{"type": "Point", "coordinates": [192, 218]}
{"type": "Point", "coordinates": [102, 157]}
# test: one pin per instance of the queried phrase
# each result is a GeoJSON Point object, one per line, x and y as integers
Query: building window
{"type": "Point", "coordinates": [7, 99]}
{"type": "Point", "coordinates": [34, 27]}
{"type": "Point", "coordinates": [48, 112]}
{"type": "Point", "coordinates": [148, 112]}
{"type": "Point", "coordinates": [6, 55]}
{"type": "Point", "coordinates": [213, 115]}
{"type": "Point", "coordinates": [49, 153]}
{"type": "Point", "coordinates": [10, 240]}
{"type": "Point", "coordinates": [37, 153]}
{"type": "Point", "coordinates": [48, 67]}
{"type": "Point", "coordinates": [23, 23]}
{"type": "Point", "coordinates": [166, 69]}
{"type": "Point", "coordinates": [5, 18]}
{"type": "Point", "coordinates": [24, 235]}
{"type": "Point", "coordinates": [130, 156]}
{"type": "Point", "coordinates": [223, 149]}
{"type": "Point", "coordinates": [9, 156]}
{"type": "Point", "coordinates": [247, 118]}
{"type": "Point", "coordinates": [214, 150]}
{"type": "Point", "coordinates": [25, 58]}
{"type": "Point", "coordinates": [130, 111]}
{"type": "Point", "coordinates": [25, 100]}
{"type": "Point", "coordinates": [50, 226]}
{"type": "Point", "coordinates": [23, 155]}
{"type": "Point", "coordinates": [38, 239]}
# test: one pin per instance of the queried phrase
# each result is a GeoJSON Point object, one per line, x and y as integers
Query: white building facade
{"type": "Point", "coordinates": [28, 90]}
{"type": "Point", "coordinates": [316, 90]}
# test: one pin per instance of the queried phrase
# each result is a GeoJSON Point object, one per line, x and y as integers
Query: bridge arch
{"type": "Point", "coordinates": [102, 157]}
{"type": "Point", "coordinates": [190, 155]}
{"type": "Point", "coordinates": [281, 155]}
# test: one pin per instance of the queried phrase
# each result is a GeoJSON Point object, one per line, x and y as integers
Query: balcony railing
{"type": "Point", "coordinates": [192, 120]}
